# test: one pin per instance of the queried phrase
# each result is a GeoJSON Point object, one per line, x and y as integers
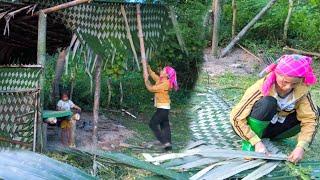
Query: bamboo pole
{"type": "Point", "coordinates": [129, 36]}
{"type": "Point", "coordinates": [62, 6]}
{"type": "Point", "coordinates": [41, 59]}
{"type": "Point", "coordinates": [177, 29]}
{"type": "Point", "coordinates": [234, 17]}
{"type": "Point", "coordinates": [246, 28]}
{"type": "Point", "coordinates": [56, 8]}
{"type": "Point", "coordinates": [216, 24]}
{"type": "Point", "coordinates": [140, 35]}
{"type": "Point", "coordinates": [286, 48]}
{"type": "Point", "coordinates": [286, 23]}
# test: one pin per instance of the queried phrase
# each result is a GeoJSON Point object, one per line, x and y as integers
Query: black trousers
{"type": "Point", "coordinates": [160, 125]}
{"type": "Point", "coordinates": [264, 110]}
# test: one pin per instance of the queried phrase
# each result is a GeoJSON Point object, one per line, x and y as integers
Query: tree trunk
{"type": "Point", "coordinates": [246, 28]}
{"type": "Point", "coordinates": [109, 91]}
{"type": "Point", "coordinates": [177, 29]}
{"type": "Point", "coordinates": [234, 17]}
{"type": "Point", "coordinates": [216, 24]}
{"type": "Point", "coordinates": [121, 93]}
{"type": "Point", "coordinates": [140, 35]}
{"type": "Point", "coordinates": [58, 74]}
{"type": "Point", "coordinates": [286, 23]}
{"type": "Point", "coordinates": [96, 104]}
{"type": "Point", "coordinates": [73, 79]}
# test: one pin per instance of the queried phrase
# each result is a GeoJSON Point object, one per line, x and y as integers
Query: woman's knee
{"type": "Point", "coordinates": [264, 109]}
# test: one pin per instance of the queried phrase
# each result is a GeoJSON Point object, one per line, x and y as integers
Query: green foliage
{"type": "Point", "coordinates": [191, 27]}
{"type": "Point", "coordinates": [122, 68]}
{"type": "Point", "coordinates": [304, 26]}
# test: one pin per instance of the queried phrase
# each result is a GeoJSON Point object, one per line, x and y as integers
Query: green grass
{"type": "Point", "coordinates": [179, 126]}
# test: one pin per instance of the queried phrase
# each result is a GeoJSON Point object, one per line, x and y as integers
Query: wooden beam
{"type": "Point", "coordinates": [246, 28]}
{"type": "Point", "coordinates": [56, 8]}
{"type": "Point", "coordinates": [286, 48]}
{"type": "Point", "coordinates": [216, 24]}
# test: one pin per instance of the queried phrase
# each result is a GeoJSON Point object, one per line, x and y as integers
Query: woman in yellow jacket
{"type": "Point", "coordinates": [164, 83]}
{"type": "Point", "coordinates": [279, 106]}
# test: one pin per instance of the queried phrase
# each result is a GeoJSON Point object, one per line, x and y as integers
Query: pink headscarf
{"type": "Point", "coordinates": [293, 65]}
{"type": "Point", "coordinates": [172, 76]}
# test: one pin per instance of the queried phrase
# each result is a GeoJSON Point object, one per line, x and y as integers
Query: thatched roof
{"type": "Point", "coordinates": [99, 26]}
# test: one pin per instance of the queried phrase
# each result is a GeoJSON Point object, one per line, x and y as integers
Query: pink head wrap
{"type": "Point", "coordinates": [172, 76]}
{"type": "Point", "coordinates": [293, 65]}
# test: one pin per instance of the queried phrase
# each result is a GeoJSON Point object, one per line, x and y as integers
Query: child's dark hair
{"type": "Point", "coordinates": [62, 93]}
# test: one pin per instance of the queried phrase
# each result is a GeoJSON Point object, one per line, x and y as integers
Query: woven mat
{"type": "Point", "coordinates": [210, 120]}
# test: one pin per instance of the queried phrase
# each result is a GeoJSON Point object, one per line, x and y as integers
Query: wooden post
{"type": "Point", "coordinates": [140, 35]}
{"type": "Point", "coordinates": [96, 103]}
{"type": "Point", "coordinates": [129, 36]}
{"type": "Point", "coordinates": [177, 29]}
{"type": "Point", "coordinates": [96, 106]}
{"type": "Point", "coordinates": [246, 28]}
{"type": "Point", "coordinates": [41, 60]}
{"type": "Point", "coordinates": [234, 17]}
{"type": "Point", "coordinates": [216, 24]}
{"type": "Point", "coordinates": [286, 23]}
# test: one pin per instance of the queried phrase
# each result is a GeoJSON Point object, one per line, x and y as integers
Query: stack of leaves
{"type": "Point", "coordinates": [211, 163]}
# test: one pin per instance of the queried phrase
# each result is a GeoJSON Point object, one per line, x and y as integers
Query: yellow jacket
{"type": "Point", "coordinates": [307, 113]}
{"type": "Point", "coordinates": [160, 89]}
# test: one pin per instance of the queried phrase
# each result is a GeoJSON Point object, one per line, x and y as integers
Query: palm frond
{"type": "Point", "coordinates": [30, 165]}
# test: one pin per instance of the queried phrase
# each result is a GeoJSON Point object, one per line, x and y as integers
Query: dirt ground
{"type": "Point", "coordinates": [238, 62]}
{"type": "Point", "coordinates": [111, 135]}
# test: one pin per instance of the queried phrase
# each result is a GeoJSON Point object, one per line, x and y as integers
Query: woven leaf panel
{"type": "Point", "coordinates": [17, 116]}
{"type": "Point", "coordinates": [19, 78]}
{"type": "Point", "coordinates": [102, 27]}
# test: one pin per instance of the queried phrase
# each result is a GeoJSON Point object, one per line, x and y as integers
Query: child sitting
{"type": "Point", "coordinates": [64, 104]}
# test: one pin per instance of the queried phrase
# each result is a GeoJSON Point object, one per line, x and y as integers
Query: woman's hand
{"type": "Point", "coordinates": [261, 148]}
{"type": "Point", "coordinates": [296, 155]}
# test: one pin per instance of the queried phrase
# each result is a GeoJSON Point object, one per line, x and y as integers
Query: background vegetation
{"type": "Point", "coordinates": [265, 39]}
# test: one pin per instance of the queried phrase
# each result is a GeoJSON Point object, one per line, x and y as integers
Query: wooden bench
{"type": "Point", "coordinates": [52, 114]}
